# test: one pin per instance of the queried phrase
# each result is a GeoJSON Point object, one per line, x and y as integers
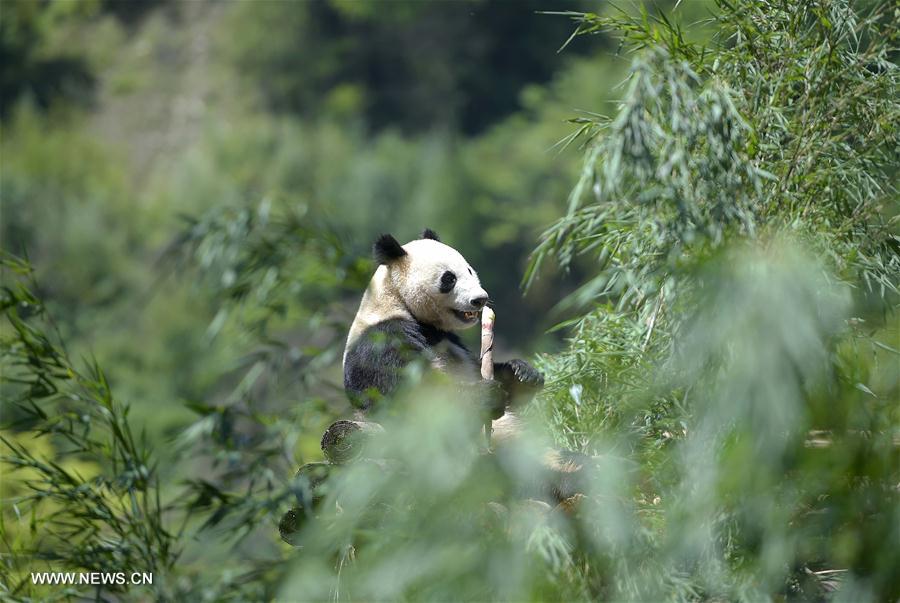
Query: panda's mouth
{"type": "Point", "coordinates": [466, 316]}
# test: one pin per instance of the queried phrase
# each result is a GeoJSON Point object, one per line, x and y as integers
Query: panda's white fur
{"type": "Point", "coordinates": [410, 288]}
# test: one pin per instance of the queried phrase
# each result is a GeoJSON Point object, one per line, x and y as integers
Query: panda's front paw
{"type": "Point", "coordinates": [526, 374]}
{"type": "Point", "coordinates": [521, 380]}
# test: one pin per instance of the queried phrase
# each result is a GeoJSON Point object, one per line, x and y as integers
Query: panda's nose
{"type": "Point", "coordinates": [479, 302]}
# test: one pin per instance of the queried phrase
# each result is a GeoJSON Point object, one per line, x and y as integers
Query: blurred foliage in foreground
{"type": "Point", "coordinates": [732, 367]}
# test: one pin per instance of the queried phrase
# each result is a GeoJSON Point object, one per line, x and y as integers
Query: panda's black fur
{"type": "Point", "coordinates": [373, 364]}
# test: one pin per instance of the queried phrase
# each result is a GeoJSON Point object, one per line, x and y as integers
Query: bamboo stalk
{"type": "Point", "coordinates": [487, 344]}
{"type": "Point", "coordinates": [487, 357]}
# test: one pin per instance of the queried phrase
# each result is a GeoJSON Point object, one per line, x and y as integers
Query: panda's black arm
{"type": "Point", "coordinates": [373, 365]}
{"type": "Point", "coordinates": [520, 380]}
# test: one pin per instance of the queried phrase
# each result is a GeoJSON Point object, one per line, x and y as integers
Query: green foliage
{"type": "Point", "coordinates": [731, 356]}
{"type": "Point", "coordinates": [789, 121]}
{"type": "Point", "coordinates": [727, 363]}
{"type": "Point", "coordinates": [277, 276]}
{"type": "Point", "coordinates": [436, 519]}
{"type": "Point", "coordinates": [53, 208]}
{"type": "Point", "coordinates": [417, 66]}
{"type": "Point", "coordinates": [104, 515]}
{"type": "Point", "coordinates": [29, 67]}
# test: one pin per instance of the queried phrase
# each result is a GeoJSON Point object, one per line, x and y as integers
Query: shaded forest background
{"type": "Point", "coordinates": [367, 120]}
{"type": "Point", "coordinates": [701, 201]}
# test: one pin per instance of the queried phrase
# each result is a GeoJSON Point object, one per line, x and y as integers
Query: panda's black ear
{"type": "Point", "coordinates": [430, 234]}
{"type": "Point", "coordinates": [386, 249]}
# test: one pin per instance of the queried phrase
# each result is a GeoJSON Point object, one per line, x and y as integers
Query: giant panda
{"type": "Point", "coordinates": [422, 293]}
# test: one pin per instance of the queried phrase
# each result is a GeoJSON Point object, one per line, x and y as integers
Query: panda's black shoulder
{"type": "Point", "coordinates": [397, 333]}
{"type": "Point", "coordinates": [374, 360]}
{"type": "Point", "coordinates": [393, 331]}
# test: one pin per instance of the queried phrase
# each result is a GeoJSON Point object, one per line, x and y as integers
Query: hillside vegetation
{"type": "Point", "coordinates": [708, 248]}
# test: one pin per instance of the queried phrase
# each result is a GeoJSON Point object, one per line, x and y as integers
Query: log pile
{"type": "Point", "coordinates": [348, 442]}
{"type": "Point", "coordinates": [344, 442]}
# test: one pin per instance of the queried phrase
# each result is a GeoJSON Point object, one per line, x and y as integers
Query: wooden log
{"type": "Point", "coordinates": [313, 477]}
{"type": "Point", "coordinates": [318, 482]}
{"type": "Point", "coordinates": [290, 524]}
{"type": "Point", "coordinates": [345, 441]}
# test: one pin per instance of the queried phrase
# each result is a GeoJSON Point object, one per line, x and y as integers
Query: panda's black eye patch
{"type": "Point", "coordinates": [448, 281]}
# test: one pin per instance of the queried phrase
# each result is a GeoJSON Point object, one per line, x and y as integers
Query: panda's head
{"type": "Point", "coordinates": [432, 280]}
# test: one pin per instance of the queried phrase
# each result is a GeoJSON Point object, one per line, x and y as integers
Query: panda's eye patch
{"type": "Point", "coordinates": [448, 281]}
